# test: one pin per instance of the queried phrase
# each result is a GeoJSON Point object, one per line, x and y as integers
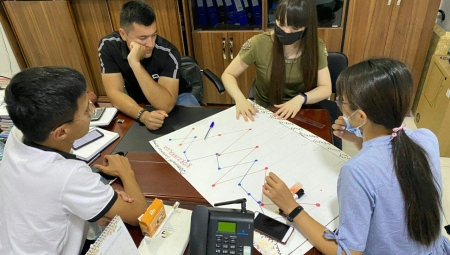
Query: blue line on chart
{"type": "Point", "coordinates": [215, 154]}
{"type": "Point", "coordinates": [253, 161]}
{"type": "Point", "coordinates": [249, 194]}
{"type": "Point", "coordinates": [185, 150]}
{"type": "Point", "coordinates": [248, 171]}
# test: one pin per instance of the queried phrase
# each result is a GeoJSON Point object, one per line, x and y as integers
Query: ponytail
{"type": "Point", "coordinates": [419, 189]}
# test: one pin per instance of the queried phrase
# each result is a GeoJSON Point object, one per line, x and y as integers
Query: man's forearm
{"type": "Point", "coordinates": [125, 104]}
{"type": "Point", "coordinates": [131, 187]}
{"type": "Point", "coordinates": [158, 96]}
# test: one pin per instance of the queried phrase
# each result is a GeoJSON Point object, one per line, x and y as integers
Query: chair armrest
{"type": "Point", "coordinates": [215, 80]}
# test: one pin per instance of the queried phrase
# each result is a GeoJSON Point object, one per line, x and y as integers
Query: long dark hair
{"type": "Point", "coordinates": [382, 88]}
{"type": "Point", "coordinates": [296, 13]}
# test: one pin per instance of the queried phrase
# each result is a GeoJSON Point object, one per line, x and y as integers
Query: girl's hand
{"type": "Point", "coordinates": [290, 108]}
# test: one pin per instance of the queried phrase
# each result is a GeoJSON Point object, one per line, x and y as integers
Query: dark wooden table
{"type": "Point", "coordinates": [151, 168]}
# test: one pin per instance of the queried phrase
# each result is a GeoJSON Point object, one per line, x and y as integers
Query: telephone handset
{"type": "Point", "coordinates": [215, 230]}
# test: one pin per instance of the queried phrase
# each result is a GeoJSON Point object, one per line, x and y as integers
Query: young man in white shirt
{"type": "Point", "coordinates": [47, 196]}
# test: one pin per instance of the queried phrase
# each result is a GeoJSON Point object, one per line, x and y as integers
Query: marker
{"type": "Point", "coordinates": [299, 194]}
{"type": "Point", "coordinates": [210, 126]}
{"type": "Point", "coordinates": [174, 207]}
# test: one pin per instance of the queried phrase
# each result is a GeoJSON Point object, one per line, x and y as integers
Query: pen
{"type": "Point", "coordinates": [174, 207]}
{"type": "Point", "coordinates": [210, 126]}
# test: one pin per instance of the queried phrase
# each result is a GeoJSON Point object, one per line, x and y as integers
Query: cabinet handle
{"type": "Point", "coordinates": [231, 48]}
{"type": "Point", "coordinates": [389, 2]}
{"type": "Point", "coordinates": [223, 49]}
{"type": "Point", "coordinates": [398, 2]}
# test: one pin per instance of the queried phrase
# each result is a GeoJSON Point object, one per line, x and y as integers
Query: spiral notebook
{"type": "Point", "coordinates": [115, 240]}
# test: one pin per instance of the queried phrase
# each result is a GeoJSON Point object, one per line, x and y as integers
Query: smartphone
{"type": "Point", "coordinates": [272, 228]}
{"type": "Point", "coordinates": [93, 135]}
{"type": "Point", "coordinates": [98, 113]}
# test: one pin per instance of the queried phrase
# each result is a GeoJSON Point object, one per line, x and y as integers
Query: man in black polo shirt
{"type": "Point", "coordinates": [144, 64]}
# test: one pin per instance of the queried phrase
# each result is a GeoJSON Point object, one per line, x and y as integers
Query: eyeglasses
{"type": "Point", "coordinates": [92, 110]}
{"type": "Point", "coordinates": [340, 102]}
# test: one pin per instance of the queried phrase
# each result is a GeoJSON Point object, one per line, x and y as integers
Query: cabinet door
{"type": "Point", "coordinates": [332, 37]}
{"type": "Point", "coordinates": [433, 101]}
{"type": "Point", "coordinates": [211, 52]}
{"type": "Point", "coordinates": [167, 18]}
{"type": "Point", "coordinates": [410, 33]}
{"type": "Point", "coordinates": [93, 22]}
{"type": "Point", "coordinates": [245, 81]}
{"type": "Point", "coordinates": [367, 29]}
{"type": "Point", "coordinates": [48, 35]}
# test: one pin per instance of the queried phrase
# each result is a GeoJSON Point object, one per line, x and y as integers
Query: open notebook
{"type": "Point", "coordinates": [115, 240]}
{"type": "Point", "coordinates": [91, 150]}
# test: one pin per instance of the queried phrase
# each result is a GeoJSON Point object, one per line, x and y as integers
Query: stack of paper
{"type": "Point", "coordinates": [88, 152]}
{"type": "Point", "coordinates": [106, 118]}
{"type": "Point", "coordinates": [173, 238]}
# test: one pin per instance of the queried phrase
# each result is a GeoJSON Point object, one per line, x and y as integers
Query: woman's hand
{"type": "Point", "coordinates": [277, 191]}
{"type": "Point", "coordinates": [246, 109]}
{"type": "Point", "coordinates": [339, 130]}
{"type": "Point", "coordinates": [290, 108]}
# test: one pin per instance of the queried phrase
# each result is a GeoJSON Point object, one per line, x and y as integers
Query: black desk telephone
{"type": "Point", "coordinates": [221, 231]}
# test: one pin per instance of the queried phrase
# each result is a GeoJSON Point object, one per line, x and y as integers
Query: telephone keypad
{"type": "Point", "coordinates": [227, 245]}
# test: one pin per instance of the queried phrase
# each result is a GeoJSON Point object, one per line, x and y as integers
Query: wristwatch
{"type": "Point", "coordinates": [138, 117]}
{"type": "Point", "coordinates": [304, 96]}
{"type": "Point", "coordinates": [294, 213]}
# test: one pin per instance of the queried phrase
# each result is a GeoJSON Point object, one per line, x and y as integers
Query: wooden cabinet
{"type": "Point", "coordinates": [67, 33]}
{"type": "Point", "coordinates": [48, 35]}
{"type": "Point", "coordinates": [400, 29]}
{"type": "Point", "coordinates": [433, 110]}
{"type": "Point", "coordinates": [215, 50]}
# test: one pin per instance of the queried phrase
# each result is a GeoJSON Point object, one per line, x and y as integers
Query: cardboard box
{"type": "Point", "coordinates": [152, 218]}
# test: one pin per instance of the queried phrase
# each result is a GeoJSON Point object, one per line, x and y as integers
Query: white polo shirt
{"type": "Point", "coordinates": [46, 197]}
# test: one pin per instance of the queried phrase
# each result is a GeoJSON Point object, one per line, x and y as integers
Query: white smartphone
{"type": "Point", "coordinates": [272, 228]}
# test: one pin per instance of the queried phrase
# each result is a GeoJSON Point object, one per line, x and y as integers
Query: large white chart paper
{"type": "Point", "coordinates": [234, 159]}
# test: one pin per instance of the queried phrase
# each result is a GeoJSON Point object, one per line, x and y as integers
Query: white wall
{"type": "Point", "coordinates": [445, 6]}
{"type": "Point", "coordinates": [8, 62]}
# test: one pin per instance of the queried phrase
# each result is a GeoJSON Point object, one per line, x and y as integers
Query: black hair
{"type": "Point", "coordinates": [383, 88]}
{"type": "Point", "coordinates": [295, 13]}
{"type": "Point", "coordinates": [40, 99]}
{"type": "Point", "coordinates": [138, 12]}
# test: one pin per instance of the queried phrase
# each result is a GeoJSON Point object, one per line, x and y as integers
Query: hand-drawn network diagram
{"type": "Point", "coordinates": [236, 156]}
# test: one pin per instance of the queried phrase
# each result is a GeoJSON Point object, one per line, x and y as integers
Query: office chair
{"type": "Point", "coordinates": [191, 74]}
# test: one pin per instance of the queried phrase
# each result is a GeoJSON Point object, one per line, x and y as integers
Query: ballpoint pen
{"type": "Point", "coordinates": [174, 207]}
{"type": "Point", "coordinates": [209, 129]}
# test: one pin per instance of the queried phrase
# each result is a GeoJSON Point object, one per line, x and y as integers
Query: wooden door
{"type": "Point", "coordinates": [410, 33]}
{"type": "Point", "coordinates": [367, 29]}
{"type": "Point", "coordinates": [211, 52]}
{"type": "Point", "coordinates": [48, 35]}
{"type": "Point", "coordinates": [433, 101]}
{"type": "Point", "coordinates": [93, 22]}
{"type": "Point", "coordinates": [245, 81]}
{"type": "Point", "coordinates": [167, 18]}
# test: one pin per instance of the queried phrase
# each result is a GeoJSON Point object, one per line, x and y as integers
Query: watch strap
{"type": "Point", "coordinates": [138, 117]}
{"type": "Point", "coordinates": [294, 213]}
{"type": "Point", "coordinates": [304, 96]}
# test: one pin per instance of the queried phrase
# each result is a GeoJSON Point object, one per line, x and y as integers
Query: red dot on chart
{"type": "Point", "coordinates": [257, 146]}
{"type": "Point", "coordinates": [318, 205]}
{"type": "Point", "coordinates": [181, 144]}
{"type": "Point", "coordinates": [262, 204]}
{"type": "Point", "coordinates": [193, 128]}
{"type": "Point", "coordinates": [214, 185]}
{"type": "Point", "coordinates": [219, 155]}
{"type": "Point", "coordinates": [266, 168]}
{"type": "Point", "coordinates": [320, 190]}
{"type": "Point", "coordinates": [219, 134]}
{"type": "Point", "coordinates": [249, 129]}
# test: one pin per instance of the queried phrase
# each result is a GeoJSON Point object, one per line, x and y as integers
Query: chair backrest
{"type": "Point", "coordinates": [191, 77]}
{"type": "Point", "coordinates": [337, 62]}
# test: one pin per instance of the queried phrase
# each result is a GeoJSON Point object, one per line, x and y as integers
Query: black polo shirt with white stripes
{"type": "Point", "coordinates": [165, 61]}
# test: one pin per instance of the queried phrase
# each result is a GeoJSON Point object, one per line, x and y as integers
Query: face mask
{"type": "Point", "coordinates": [349, 128]}
{"type": "Point", "coordinates": [288, 38]}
